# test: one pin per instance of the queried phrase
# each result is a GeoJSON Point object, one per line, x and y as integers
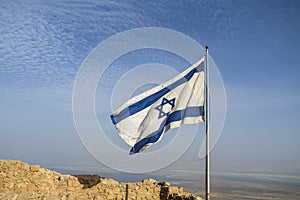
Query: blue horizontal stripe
{"type": "Point", "coordinates": [144, 103]}
{"type": "Point", "coordinates": [150, 139]}
{"type": "Point", "coordinates": [188, 112]}
{"type": "Point", "coordinates": [172, 117]}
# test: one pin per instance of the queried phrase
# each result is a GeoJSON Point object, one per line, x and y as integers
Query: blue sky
{"type": "Point", "coordinates": [255, 45]}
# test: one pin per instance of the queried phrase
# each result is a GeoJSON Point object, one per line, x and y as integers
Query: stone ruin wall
{"type": "Point", "coordinates": [19, 180]}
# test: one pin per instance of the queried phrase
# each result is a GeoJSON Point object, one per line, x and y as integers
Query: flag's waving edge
{"type": "Point", "coordinates": [142, 120]}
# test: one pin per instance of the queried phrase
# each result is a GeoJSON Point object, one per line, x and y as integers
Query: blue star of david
{"type": "Point", "coordinates": [161, 106]}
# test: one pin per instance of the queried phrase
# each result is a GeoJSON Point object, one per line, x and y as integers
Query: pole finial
{"type": "Point", "coordinates": [206, 47]}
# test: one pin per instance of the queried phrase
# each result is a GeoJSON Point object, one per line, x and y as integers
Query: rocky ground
{"type": "Point", "coordinates": [18, 180]}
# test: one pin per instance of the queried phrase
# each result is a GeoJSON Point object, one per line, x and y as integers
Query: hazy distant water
{"type": "Point", "coordinates": [245, 186]}
{"type": "Point", "coordinates": [261, 179]}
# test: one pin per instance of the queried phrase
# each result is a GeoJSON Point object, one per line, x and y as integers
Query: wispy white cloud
{"type": "Point", "coordinates": [42, 44]}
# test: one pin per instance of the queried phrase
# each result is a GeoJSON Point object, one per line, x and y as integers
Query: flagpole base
{"type": "Point", "coordinates": [207, 197]}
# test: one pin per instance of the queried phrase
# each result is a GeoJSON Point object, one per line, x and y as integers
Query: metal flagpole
{"type": "Point", "coordinates": [207, 174]}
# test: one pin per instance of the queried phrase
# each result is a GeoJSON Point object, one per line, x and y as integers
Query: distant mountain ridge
{"type": "Point", "coordinates": [19, 180]}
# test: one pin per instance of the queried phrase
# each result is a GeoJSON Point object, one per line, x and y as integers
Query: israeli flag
{"type": "Point", "coordinates": [142, 120]}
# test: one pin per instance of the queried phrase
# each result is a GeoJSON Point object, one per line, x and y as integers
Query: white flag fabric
{"type": "Point", "coordinates": [143, 119]}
